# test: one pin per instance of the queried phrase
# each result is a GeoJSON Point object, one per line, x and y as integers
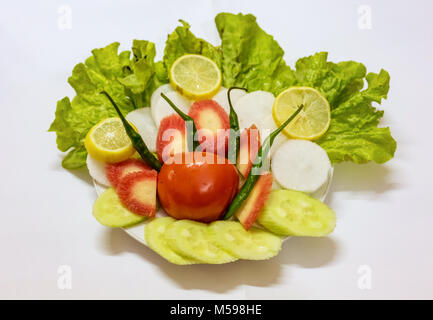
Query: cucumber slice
{"type": "Point", "coordinates": [294, 213]}
{"type": "Point", "coordinates": [110, 212]}
{"type": "Point", "coordinates": [191, 239]}
{"type": "Point", "coordinates": [254, 244]}
{"type": "Point", "coordinates": [155, 239]}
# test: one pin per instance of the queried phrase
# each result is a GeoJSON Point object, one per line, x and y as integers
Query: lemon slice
{"type": "Point", "coordinates": [312, 122]}
{"type": "Point", "coordinates": [195, 76]}
{"type": "Point", "coordinates": [107, 141]}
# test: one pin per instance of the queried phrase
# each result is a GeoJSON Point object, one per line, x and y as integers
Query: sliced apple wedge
{"type": "Point", "coordinates": [212, 124]}
{"type": "Point", "coordinates": [254, 203]}
{"type": "Point", "coordinates": [248, 147]}
{"type": "Point", "coordinates": [171, 138]}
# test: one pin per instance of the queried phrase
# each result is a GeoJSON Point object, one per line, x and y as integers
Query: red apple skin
{"type": "Point", "coordinates": [201, 188]}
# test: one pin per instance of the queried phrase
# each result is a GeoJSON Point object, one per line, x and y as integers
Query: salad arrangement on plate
{"type": "Point", "coordinates": [218, 153]}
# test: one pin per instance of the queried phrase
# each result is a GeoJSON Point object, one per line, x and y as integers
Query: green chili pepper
{"type": "Point", "coordinates": [261, 157]}
{"type": "Point", "coordinates": [136, 139]}
{"type": "Point", "coordinates": [234, 138]}
{"type": "Point", "coordinates": [190, 134]}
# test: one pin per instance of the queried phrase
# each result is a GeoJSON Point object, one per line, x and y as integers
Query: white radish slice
{"type": "Point", "coordinates": [223, 101]}
{"type": "Point", "coordinates": [301, 165]}
{"type": "Point", "coordinates": [253, 107]}
{"type": "Point", "coordinates": [266, 126]}
{"type": "Point", "coordinates": [162, 109]}
{"type": "Point", "coordinates": [97, 171]}
{"type": "Point", "coordinates": [165, 88]}
{"type": "Point", "coordinates": [142, 120]}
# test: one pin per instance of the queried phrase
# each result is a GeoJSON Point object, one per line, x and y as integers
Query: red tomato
{"type": "Point", "coordinates": [201, 188]}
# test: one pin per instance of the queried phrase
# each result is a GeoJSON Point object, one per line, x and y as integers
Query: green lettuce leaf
{"type": "Point", "coordinates": [142, 79]}
{"type": "Point", "coordinates": [75, 158]}
{"type": "Point", "coordinates": [251, 58]}
{"type": "Point", "coordinates": [182, 41]}
{"type": "Point", "coordinates": [74, 119]}
{"type": "Point", "coordinates": [354, 134]}
{"type": "Point", "coordinates": [336, 82]}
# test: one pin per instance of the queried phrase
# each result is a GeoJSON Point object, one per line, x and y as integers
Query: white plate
{"type": "Point", "coordinates": [137, 231]}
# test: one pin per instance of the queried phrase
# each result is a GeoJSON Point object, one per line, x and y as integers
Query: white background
{"type": "Point", "coordinates": [385, 217]}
